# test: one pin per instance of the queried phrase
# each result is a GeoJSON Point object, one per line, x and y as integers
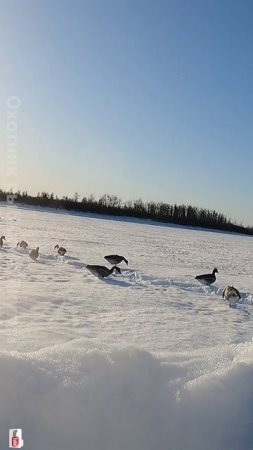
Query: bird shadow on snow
{"type": "Point", "coordinates": [21, 252]}
{"type": "Point", "coordinates": [71, 258]}
{"type": "Point", "coordinates": [78, 264]}
{"type": "Point", "coordinates": [43, 260]}
{"type": "Point", "coordinates": [5, 249]}
{"type": "Point", "coordinates": [117, 282]}
{"type": "Point", "coordinates": [47, 259]}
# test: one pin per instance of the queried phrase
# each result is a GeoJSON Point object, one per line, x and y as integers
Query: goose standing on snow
{"type": "Point", "coordinates": [1, 240]}
{"type": "Point", "coordinates": [60, 250]}
{"type": "Point", "coordinates": [115, 259]}
{"type": "Point", "coordinates": [207, 278]}
{"type": "Point", "coordinates": [232, 295]}
{"type": "Point", "coordinates": [101, 271]}
{"type": "Point", "coordinates": [22, 244]}
{"type": "Point", "coordinates": [34, 253]}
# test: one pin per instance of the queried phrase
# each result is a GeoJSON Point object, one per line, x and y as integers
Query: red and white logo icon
{"type": "Point", "coordinates": [15, 438]}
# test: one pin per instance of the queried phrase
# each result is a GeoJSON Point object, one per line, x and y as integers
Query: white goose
{"type": "Point", "coordinates": [22, 244]}
{"type": "Point", "coordinates": [60, 250]}
{"type": "Point", "coordinates": [34, 253]}
{"type": "Point", "coordinates": [232, 295]}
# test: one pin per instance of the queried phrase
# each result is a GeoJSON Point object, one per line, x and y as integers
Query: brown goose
{"type": "Point", "coordinates": [34, 253]}
{"type": "Point", "coordinates": [1, 240]}
{"type": "Point", "coordinates": [101, 271]}
{"type": "Point", "coordinates": [232, 295]}
{"type": "Point", "coordinates": [115, 259]}
{"type": "Point", "coordinates": [60, 250]}
{"type": "Point", "coordinates": [207, 278]}
{"type": "Point", "coordinates": [22, 244]}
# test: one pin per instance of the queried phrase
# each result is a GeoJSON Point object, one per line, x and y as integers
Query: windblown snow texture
{"type": "Point", "coordinates": [149, 359]}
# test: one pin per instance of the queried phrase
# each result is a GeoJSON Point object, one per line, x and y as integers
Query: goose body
{"type": "Point", "coordinates": [101, 271]}
{"type": "Point", "coordinates": [60, 250]}
{"type": "Point", "coordinates": [22, 244]}
{"type": "Point", "coordinates": [34, 253]}
{"type": "Point", "coordinates": [1, 240]}
{"type": "Point", "coordinates": [115, 259]}
{"type": "Point", "coordinates": [207, 278]}
{"type": "Point", "coordinates": [232, 295]}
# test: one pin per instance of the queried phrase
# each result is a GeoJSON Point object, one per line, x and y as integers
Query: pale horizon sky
{"type": "Point", "coordinates": [137, 98]}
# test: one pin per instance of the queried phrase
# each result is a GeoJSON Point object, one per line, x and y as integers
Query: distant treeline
{"type": "Point", "coordinates": [112, 205]}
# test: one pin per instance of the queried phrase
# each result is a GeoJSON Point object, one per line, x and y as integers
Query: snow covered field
{"type": "Point", "coordinates": [146, 360]}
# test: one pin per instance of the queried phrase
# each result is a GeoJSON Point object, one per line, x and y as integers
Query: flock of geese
{"type": "Point", "coordinates": [230, 293]}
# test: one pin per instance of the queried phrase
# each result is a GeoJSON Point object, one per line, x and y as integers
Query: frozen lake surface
{"type": "Point", "coordinates": [149, 359]}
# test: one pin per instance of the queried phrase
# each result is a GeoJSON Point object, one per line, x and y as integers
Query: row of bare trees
{"type": "Point", "coordinates": [113, 205]}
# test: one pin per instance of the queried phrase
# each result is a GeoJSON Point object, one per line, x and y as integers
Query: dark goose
{"type": "Point", "coordinates": [101, 271]}
{"type": "Point", "coordinates": [207, 278]}
{"type": "Point", "coordinates": [115, 259]}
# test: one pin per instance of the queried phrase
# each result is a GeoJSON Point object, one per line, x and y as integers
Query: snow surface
{"type": "Point", "coordinates": [146, 360]}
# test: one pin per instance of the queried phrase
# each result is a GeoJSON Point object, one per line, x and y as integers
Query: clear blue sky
{"type": "Point", "coordinates": [138, 98]}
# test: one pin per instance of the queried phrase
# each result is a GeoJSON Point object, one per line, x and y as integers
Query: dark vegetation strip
{"type": "Point", "coordinates": [112, 205]}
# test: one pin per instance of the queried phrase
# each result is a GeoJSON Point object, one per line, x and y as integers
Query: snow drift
{"type": "Point", "coordinates": [147, 360]}
{"type": "Point", "coordinates": [125, 399]}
